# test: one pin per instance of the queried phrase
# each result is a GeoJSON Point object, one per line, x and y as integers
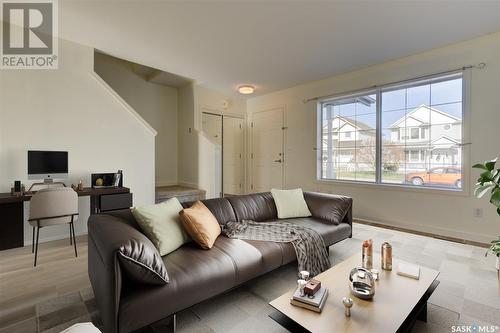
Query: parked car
{"type": "Point", "coordinates": [451, 176]}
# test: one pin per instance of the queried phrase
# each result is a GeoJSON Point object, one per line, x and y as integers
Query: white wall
{"type": "Point", "coordinates": [156, 103]}
{"type": "Point", "coordinates": [444, 214]}
{"type": "Point", "coordinates": [69, 109]}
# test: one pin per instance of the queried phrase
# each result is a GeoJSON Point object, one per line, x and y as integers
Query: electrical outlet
{"type": "Point", "coordinates": [477, 212]}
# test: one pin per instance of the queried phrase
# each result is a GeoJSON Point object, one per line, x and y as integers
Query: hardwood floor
{"type": "Point", "coordinates": [58, 272]}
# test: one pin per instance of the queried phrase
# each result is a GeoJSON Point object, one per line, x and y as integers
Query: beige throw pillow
{"type": "Point", "coordinates": [200, 224]}
{"type": "Point", "coordinates": [290, 203]}
{"type": "Point", "coordinates": [161, 224]}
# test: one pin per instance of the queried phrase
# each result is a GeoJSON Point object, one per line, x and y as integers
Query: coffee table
{"type": "Point", "coordinates": [398, 302]}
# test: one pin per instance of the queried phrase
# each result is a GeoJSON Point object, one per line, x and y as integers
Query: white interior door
{"type": "Point", "coordinates": [267, 157]}
{"type": "Point", "coordinates": [232, 159]}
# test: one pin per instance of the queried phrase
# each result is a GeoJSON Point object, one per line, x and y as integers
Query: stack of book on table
{"type": "Point", "coordinates": [314, 303]}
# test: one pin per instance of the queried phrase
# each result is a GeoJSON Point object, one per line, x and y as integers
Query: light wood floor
{"type": "Point", "coordinates": [468, 294]}
{"type": "Point", "coordinates": [58, 272]}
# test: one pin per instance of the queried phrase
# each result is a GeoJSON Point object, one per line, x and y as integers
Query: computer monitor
{"type": "Point", "coordinates": [47, 165]}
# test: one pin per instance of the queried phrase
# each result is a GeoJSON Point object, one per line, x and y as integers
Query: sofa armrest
{"type": "Point", "coordinates": [106, 235]}
{"type": "Point", "coordinates": [329, 207]}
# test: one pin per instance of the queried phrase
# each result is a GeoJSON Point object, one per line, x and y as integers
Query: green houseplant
{"type": "Point", "coordinates": [489, 181]}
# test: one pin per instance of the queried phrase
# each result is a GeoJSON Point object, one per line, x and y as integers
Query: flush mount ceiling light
{"type": "Point", "coordinates": [246, 90]}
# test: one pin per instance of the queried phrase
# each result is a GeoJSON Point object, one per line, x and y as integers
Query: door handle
{"type": "Point", "coordinates": [278, 161]}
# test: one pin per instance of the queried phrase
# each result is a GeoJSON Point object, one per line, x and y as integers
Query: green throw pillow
{"type": "Point", "coordinates": [290, 203]}
{"type": "Point", "coordinates": [161, 224]}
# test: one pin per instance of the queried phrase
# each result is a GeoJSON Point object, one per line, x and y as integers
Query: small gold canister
{"type": "Point", "coordinates": [386, 257]}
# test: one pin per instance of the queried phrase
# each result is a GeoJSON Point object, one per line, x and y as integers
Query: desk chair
{"type": "Point", "coordinates": [53, 206]}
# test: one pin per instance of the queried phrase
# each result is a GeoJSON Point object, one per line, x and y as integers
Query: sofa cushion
{"type": "Point", "coordinates": [221, 208]}
{"type": "Point", "coordinates": [255, 207]}
{"type": "Point", "coordinates": [141, 262]}
{"type": "Point", "coordinates": [195, 275]}
{"type": "Point", "coordinates": [328, 207]}
{"type": "Point", "coordinates": [272, 255]}
{"type": "Point", "coordinates": [248, 261]}
{"type": "Point", "coordinates": [200, 224]}
{"type": "Point", "coordinates": [290, 203]}
{"type": "Point", "coordinates": [160, 222]}
{"type": "Point", "coordinates": [278, 254]}
{"type": "Point", "coordinates": [288, 253]}
{"type": "Point", "coordinates": [331, 233]}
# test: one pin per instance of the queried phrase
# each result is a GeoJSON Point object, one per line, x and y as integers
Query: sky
{"type": "Point", "coordinates": [445, 96]}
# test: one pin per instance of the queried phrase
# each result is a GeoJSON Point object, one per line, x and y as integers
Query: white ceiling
{"type": "Point", "coordinates": [272, 45]}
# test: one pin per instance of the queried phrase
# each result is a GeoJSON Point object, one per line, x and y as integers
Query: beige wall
{"type": "Point", "coordinates": [445, 214]}
{"type": "Point", "coordinates": [69, 109]}
{"type": "Point", "coordinates": [156, 103]}
{"type": "Point", "coordinates": [188, 140]}
{"type": "Point", "coordinates": [192, 154]}
{"type": "Point", "coordinates": [211, 101]}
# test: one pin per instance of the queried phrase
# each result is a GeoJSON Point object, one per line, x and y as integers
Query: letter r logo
{"type": "Point", "coordinates": [27, 27]}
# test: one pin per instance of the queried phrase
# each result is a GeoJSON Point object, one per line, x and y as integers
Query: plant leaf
{"type": "Point", "coordinates": [486, 176]}
{"type": "Point", "coordinates": [496, 179]}
{"type": "Point", "coordinates": [480, 166]}
{"type": "Point", "coordinates": [490, 165]}
{"type": "Point", "coordinates": [481, 190]}
{"type": "Point", "coordinates": [495, 197]}
{"type": "Point", "coordinates": [498, 210]}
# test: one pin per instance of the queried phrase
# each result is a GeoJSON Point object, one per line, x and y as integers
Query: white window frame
{"type": "Point", "coordinates": [465, 143]}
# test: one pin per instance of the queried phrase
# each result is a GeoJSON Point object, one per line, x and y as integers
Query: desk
{"type": "Point", "coordinates": [12, 210]}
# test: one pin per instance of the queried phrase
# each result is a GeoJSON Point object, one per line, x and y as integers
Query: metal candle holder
{"type": "Point", "coordinates": [361, 283]}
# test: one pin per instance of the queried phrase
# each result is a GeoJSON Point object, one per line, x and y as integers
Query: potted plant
{"type": "Point", "coordinates": [489, 181]}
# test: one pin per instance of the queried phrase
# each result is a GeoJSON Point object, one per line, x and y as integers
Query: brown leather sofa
{"type": "Point", "coordinates": [195, 274]}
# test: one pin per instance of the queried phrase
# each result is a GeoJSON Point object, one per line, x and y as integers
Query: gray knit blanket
{"type": "Point", "coordinates": [309, 246]}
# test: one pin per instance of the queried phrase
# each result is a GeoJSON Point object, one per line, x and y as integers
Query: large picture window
{"type": "Point", "coordinates": [407, 134]}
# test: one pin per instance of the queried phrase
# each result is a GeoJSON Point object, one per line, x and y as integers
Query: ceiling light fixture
{"type": "Point", "coordinates": [246, 90]}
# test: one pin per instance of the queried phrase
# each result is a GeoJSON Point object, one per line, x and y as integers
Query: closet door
{"type": "Point", "coordinates": [232, 155]}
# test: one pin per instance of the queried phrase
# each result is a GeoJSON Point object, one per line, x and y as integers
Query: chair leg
{"type": "Point", "coordinates": [74, 238]}
{"type": "Point", "coordinates": [70, 234]}
{"type": "Point", "coordinates": [36, 246]}
{"type": "Point", "coordinates": [33, 242]}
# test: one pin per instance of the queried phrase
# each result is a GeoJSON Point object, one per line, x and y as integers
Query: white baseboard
{"type": "Point", "coordinates": [473, 237]}
{"type": "Point", "coordinates": [166, 183]}
{"type": "Point", "coordinates": [187, 184]}
{"type": "Point", "coordinates": [179, 183]}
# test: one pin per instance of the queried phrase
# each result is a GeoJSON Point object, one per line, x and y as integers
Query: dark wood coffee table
{"type": "Point", "coordinates": [398, 302]}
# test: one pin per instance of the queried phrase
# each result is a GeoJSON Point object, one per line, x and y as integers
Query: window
{"type": "Point", "coordinates": [395, 134]}
{"type": "Point", "coordinates": [414, 155]}
{"type": "Point", "coordinates": [415, 133]}
{"type": "Point", "coordinates": [352, 154]}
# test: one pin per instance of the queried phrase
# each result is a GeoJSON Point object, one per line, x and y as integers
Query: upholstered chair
{"type": "Point", "coordinates": [53, 206]}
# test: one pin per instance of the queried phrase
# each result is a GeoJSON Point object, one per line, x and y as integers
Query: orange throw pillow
{"type": "Point", "coordinates": [200, 224]}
